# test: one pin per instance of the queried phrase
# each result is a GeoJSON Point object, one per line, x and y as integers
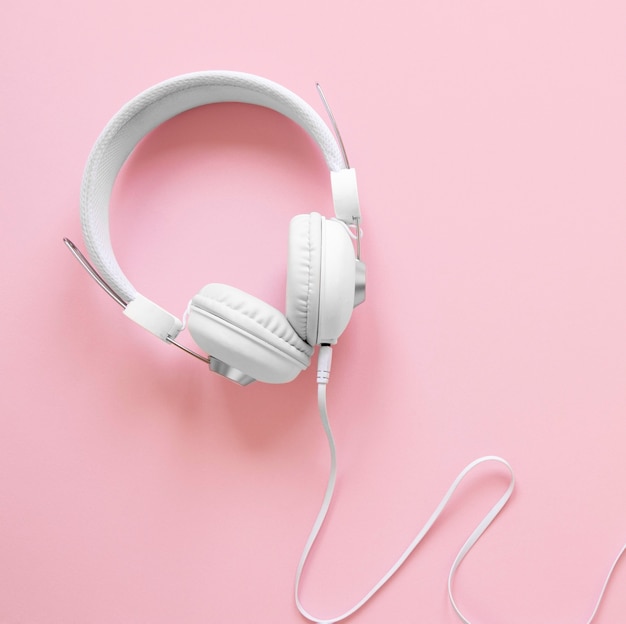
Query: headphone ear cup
{"type": "Point", "coordinates": [304, 271]}
{"type": "Point", "coordinates": [321, 277]}
{"type": "Point", "coordinates": [247, 334]}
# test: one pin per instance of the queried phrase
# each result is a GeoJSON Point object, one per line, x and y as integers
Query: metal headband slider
{"type": "Point", "coordinates": [103, 284]}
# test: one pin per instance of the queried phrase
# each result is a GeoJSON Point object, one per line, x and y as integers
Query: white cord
{"type": "Point", "coordinates": [323, 374]}
{"type": "Point", "coordinates": [606, 583]}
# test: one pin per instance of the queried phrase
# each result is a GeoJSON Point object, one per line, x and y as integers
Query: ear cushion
{"type": "Point", "coordinates": [321, 278]}
{"type": "Point", "coordinates": [304, 270]}
{"type": "Point", "coordinates": [247, 333]}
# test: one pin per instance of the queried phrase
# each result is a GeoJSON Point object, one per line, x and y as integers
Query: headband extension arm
{"type": "Point", "coordinates": [135, 309]}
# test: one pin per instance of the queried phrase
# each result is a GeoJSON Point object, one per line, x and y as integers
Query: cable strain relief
{"type": "Point", "coordinates": [324, 360]}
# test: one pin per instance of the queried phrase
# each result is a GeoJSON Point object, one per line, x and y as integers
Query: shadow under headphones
{"type": "Point", "coordinates": [247, 339]}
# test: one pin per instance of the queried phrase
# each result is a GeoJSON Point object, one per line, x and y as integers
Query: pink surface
{"type": "Point", "coordinates": [490, 143]}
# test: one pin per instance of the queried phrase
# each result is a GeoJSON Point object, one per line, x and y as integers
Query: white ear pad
{"type": "Point", "coordinates": [247, 334]}
{"type": "Point", "coordinates": [304, 271]}
{"type": "Point", "coordinates": [321, 274]}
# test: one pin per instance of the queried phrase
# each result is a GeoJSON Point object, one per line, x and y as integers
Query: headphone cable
{"type": "Point", "coordinates": [323, 375]}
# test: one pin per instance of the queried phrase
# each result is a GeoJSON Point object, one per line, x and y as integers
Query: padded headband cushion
{"type": "Point", "coordinates": [155, 106]}
{"type": "Point", "coordinates": [247, 333]}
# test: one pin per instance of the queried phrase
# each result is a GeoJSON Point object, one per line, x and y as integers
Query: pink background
{"type": "Point", "coordinates": [490, 143]}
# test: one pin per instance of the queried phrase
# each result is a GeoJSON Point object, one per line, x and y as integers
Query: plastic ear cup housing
{"type": "Point", "coordinates": [321, 274]}
{"type": "Point", "coordinates": [246, 334]}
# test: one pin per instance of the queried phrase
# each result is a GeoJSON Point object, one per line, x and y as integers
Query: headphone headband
{"type": "Point", "coordinates": [152, 108]}
{"type": "Point", "coordinates": [155, 106]}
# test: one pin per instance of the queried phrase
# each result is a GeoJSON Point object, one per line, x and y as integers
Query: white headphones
{"type": "Point", "coordinates": [247, 339]}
